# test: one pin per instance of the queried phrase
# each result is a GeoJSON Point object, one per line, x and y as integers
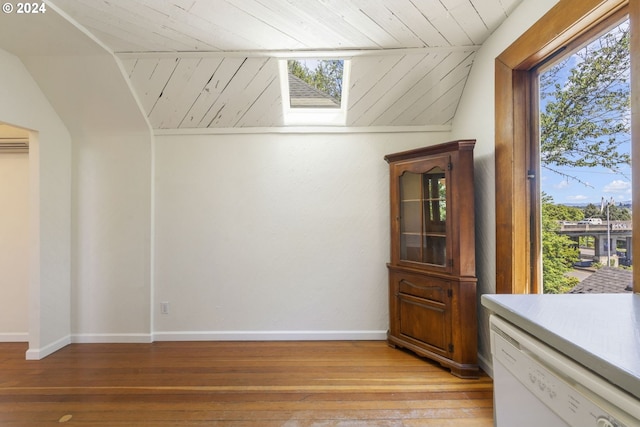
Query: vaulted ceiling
{"type": "Point", "coordinates": [214, 63]}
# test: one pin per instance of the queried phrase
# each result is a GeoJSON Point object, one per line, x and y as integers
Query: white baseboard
{"type": "Point", "coordinates": [485, 365]}
{"type": "Point", "coordinates": [111, 338]}
{"type": "Point", "coordinates": [14, 337]}
{"type": "Point", "coordinates": [270, 336]}
{"type": "Point", "coordinates": [41, 353]}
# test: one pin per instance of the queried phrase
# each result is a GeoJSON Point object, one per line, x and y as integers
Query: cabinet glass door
{"type": "Point", "coordinates": [423, 217]}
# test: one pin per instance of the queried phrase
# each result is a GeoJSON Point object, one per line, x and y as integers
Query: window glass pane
{"type": "Point", "coordinates": [435, 201]}
{"type": "Point", "coordinates": [315, 83]}
{"type": "Point", "coordinates": [423, 213]}
{"type": "Point", "coordinates": [410, 216]}
{"type": "Point", "coordinates": [585, 160]}
{"type": "Point", "coordinates": [435, 250]}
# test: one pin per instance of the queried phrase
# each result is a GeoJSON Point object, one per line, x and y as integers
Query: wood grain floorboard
{"type": "Point", "coordinates": [318, 383]}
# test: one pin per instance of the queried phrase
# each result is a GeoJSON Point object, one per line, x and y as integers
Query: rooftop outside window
{"type": "Point", "coordinates": [313, 92]}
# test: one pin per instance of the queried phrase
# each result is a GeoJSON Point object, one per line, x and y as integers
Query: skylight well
{"type": "Point", "coordinates": [313, 92]}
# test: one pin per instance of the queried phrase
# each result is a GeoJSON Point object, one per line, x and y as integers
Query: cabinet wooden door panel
{"type": "Point", "coordinates": [426, 322]}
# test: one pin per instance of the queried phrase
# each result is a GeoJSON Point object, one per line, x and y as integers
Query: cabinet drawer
{"type": "Point", "coordinates": [426, 287]}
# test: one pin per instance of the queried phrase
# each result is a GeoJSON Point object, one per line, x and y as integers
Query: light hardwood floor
{"type": "Point", "coordinates": [344, 383]}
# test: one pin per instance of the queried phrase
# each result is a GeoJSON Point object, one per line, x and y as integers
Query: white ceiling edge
{"type": "Point", "coordinates": [304, 129]}
{"type": "Point", "coordinates": [287, 54]}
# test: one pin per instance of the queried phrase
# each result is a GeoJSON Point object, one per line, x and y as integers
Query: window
{"type": "Point", "coordinates": [517, 254]}
{"type": "Point", "coordinates": [584, 171]}
{"type": "Point", "coordinates": [13, 140]}
{"type": "Point", "coordinates": [313, 91]}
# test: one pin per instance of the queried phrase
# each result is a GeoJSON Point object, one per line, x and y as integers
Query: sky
{"type": "Point", "coordinates": [603, 183]}
{"type": "Point", "coordinates": [594, 183]}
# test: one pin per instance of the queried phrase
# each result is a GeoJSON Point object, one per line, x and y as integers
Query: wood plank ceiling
{"type": "Point", "coordinates": [214, 63]}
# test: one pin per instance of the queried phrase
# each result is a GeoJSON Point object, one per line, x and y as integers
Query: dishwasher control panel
{"type": "Point", "coordinates": [567, 398]}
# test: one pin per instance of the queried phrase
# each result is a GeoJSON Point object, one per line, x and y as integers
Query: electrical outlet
{"type": "Point", "coordinates": [164, 307]}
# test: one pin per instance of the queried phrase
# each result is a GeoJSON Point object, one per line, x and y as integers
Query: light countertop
{"type": "Point", "coordinates": [599, 331]}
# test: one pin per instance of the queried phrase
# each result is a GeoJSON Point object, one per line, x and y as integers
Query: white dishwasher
{"type": "Point", "coordinates": [536, 386]}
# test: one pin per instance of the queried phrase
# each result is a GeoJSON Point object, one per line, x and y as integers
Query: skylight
{"type": "Point", "coordinates": [313, 92]}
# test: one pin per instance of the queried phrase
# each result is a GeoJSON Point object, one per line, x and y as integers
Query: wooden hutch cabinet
{"type": "Point", "coordinates": [432, 277]}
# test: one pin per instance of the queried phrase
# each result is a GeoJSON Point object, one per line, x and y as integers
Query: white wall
{"type": "Point", "coordinates": [111, 238]}
{"type": "Point", "coordinates": [23, 104]}
{"type": "Point", "coordinates": [274, 236]}
{"type": "Point", "coordinates": [104, 170]}
{"type": "Point", "coordinates": [475, 118]}
{"type": "Point", "coordinates": [111, 195]}
{"type": "Point", "coordinates": [14, 246]}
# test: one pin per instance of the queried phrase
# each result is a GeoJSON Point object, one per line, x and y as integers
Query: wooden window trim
{"type": "Point", "coordinates": [566, 21]}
